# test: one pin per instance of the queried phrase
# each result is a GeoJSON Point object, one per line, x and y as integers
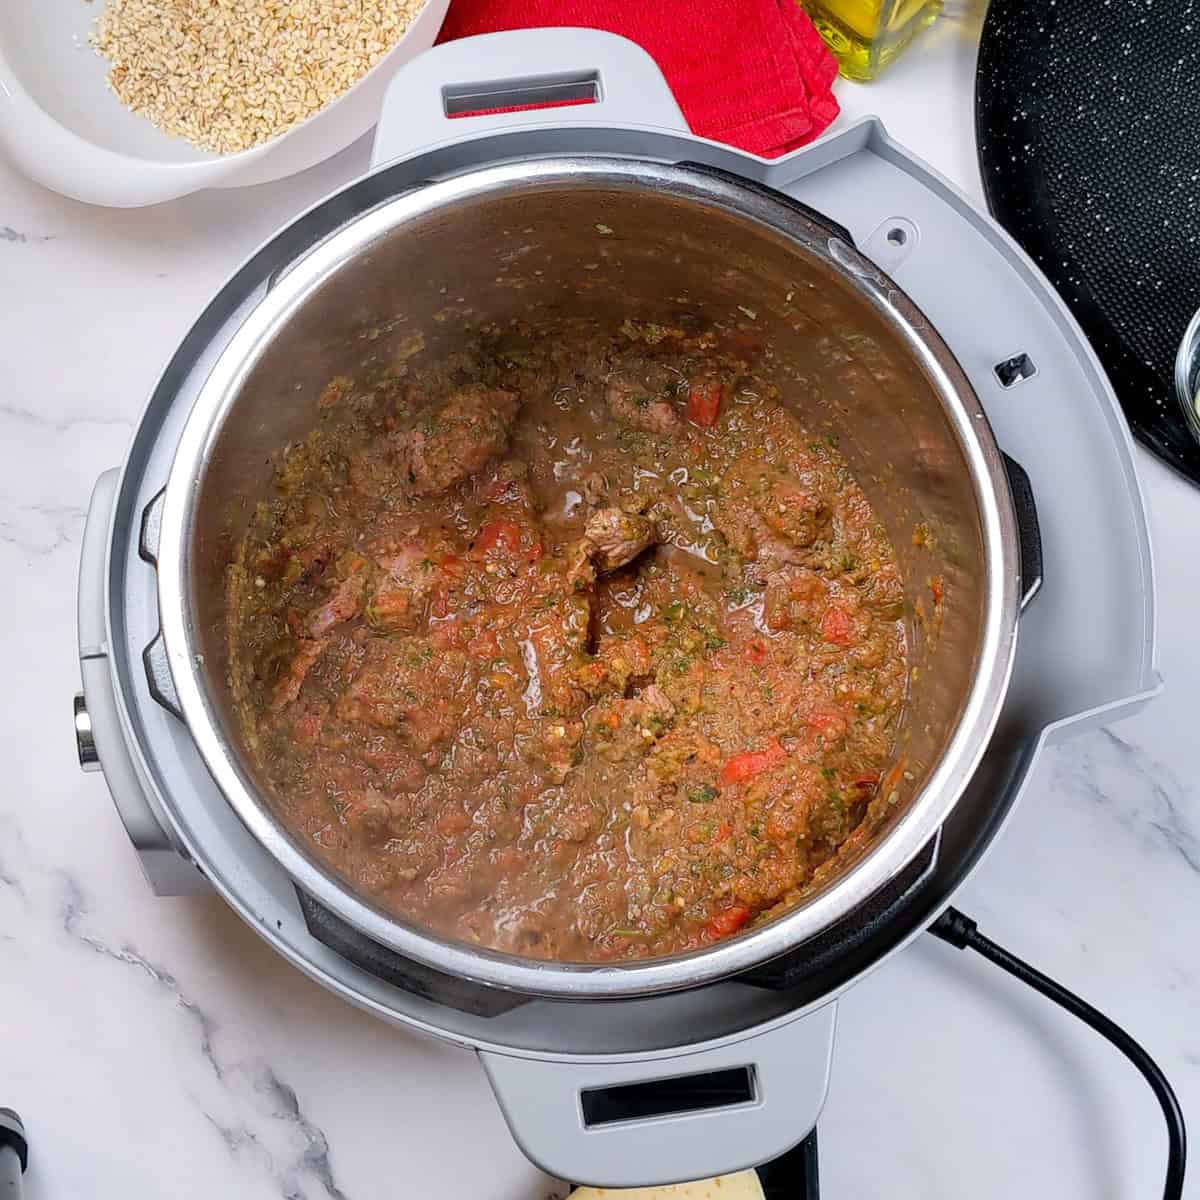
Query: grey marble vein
{"type": "Point", "coordinates": [8, 873]}
{"type": "Point", "coordinates": [73, 911]}
{"type": "Point", "coordinates": [9, 880]}
{"type": "Point", "coordinates": [27, 416]}
{"type": "Point", "coordinates": [313, 1159]}
{"type": "Point", "coordinates": [1168, 818]}
{"type": "Point", "coordinates": [237, 1138]}
{"type": "Point", "coordinates": [9, 234]}
{"type": "Point", "coordinates": [271, 1128]}
{"type": "Point", "coordinates": [64, 521]}
{"type": "Point", "coordinates": [1154, 805]}
{"type": "Point", "coordinates": [315, 1155]}
{"type": "Point", "coordinates": [242, 1142]}
{"type": "Point", "coordinates": [273, 1096]}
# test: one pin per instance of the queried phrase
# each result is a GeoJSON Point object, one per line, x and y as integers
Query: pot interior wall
{"type": "Point", "coordinates": [545, 252]}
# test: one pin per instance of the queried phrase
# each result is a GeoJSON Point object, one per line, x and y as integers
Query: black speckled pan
{"type": "Point", "coordinates": [1088, 121]}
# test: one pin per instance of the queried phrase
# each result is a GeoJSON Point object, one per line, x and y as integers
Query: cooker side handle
{"type": "Point", "coordinates": [1029, 531]}
{"type": "Point", "coordinates": [669, 1119]}
{"type": "Point", "coordinates": [98, 728]}
{"type": "Point", "coordinates": [551, 76]}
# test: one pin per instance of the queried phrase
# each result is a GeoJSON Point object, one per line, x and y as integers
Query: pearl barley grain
{"type": "Point", "coordinates": [231, 74]}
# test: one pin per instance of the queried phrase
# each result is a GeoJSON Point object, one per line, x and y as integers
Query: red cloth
{"type": "Point", "coordinates": [753, 73]}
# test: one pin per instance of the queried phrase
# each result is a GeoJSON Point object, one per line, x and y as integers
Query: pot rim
{"type": "Point", "coordinates": [928, 809]}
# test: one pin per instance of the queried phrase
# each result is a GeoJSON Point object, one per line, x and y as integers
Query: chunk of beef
{"type": "Point", "coordinates": [405, 686]}
{"type": "Point", "coordinates": [634, 404]}
{"type": "Point", "coordinates": [884, 591]}
{"type": "Point", "coordinates": [506, 483]}
{"type": "Point", "coordinates": [656, 708]}
{"type": "Point", "coordinates": [770, 516]}
{"type": "Point", "coordinates": [291, 680]}
{"type": "Point", "coordinates": [621, 664]}
{"type": "Point", "coordinates": [581, 571]}
{"type": "Point", "coordinates": [344, 604]}
{"type": "Point", "coordinates": [614, 537]}
{"type": "Point", "coordinates": [366, 815]}
{"type": "Point", "coordinates": [795, 597]}
{"type": "Point", "coordinates": [594, 489]}
{"type": "Point", "coordinates": [455, 440]}
{"type": "Point", "coordinates": [552, 651]}
{"type": "Point", "coordinates": [621, 729]}
{"type": "Point", "coordinates": [403, 586]}
{"type": "Point", "coordinates": [555, 748]}
{"type": "Point", "coordinates": [611, 538]}
{"type": "Point", "coordinates": [796, 507]}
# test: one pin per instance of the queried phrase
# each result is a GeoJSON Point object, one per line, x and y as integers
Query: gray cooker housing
{"type": "Point", "coordinates": [1085, 657]}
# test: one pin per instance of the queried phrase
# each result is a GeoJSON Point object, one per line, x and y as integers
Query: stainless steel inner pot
{"type": "Point", "coordinates": [608, 239]}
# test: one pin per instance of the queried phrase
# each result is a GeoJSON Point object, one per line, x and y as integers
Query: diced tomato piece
{"type": "Point", "coordinates": [307, 727]}
{"type": "Point", "coordinates": [828, 720]}
{"type": "Point", "coordinates": [753, 762]}
{"type": "Point", "coordinates": [498, 534]}
{"type": "Point", "coordinates": [592, 674]}
{"type": "Point", "coordinates": [451, 822]}
{"type": "Point", "coordinates": [724, 832]}
{"type": "Point", "coordinates": [937, 585]}
{"type": "Point", "coordinates": [447, 634]}
{"type": "Point", "coordinates": [451, 566]}
{"type": "Point", "coordinates": [757, 653]}
{"type": "Point", "coordinates": [865, 780]}
{"type": "Point", "coordinates": [728, 920]}
{"type": "Point", "coordinates": [704, 404]}
{"type": "Point", "coordinates": [510, 860]}
{"type": "Point", "coordinates": [837, 625]}
{"type": "Point", "coordinates": [507, 537]}
{"type": "Point", "coordinates": [484, 644]}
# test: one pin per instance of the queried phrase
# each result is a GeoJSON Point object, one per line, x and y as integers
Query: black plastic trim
{"type": "Point", "coordinates": [643, 1101]}
{"type": "Point", "coordinates": [796, 967]}
{"type": "Point", "coordinates": [466, 995]}
{"type": "Point", "coordinates": [794, 1175]}
{"type": "Point", "coordinates": [1028, 530]}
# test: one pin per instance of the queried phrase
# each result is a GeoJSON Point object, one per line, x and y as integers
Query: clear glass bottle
{"type": "Point", "coordinates": [865, 35]}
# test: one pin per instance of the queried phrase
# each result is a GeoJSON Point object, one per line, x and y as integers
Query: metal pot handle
{"type": "Point", "coordinates": [455, 91]}
{"type": "Point", "coordinates": [679, 1116]}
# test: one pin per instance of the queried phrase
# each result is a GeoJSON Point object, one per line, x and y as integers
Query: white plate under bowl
{"type": "Point", "coordinates": [62, 126]}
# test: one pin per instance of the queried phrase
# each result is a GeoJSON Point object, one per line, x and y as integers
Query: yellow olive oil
{"type": "Point", "coordinates": [865, 35]}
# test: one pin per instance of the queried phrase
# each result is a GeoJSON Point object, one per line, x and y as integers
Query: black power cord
{"type": "Point", "coordinates": [961, 932]}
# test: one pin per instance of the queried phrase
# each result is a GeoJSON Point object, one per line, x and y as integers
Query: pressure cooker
{"type": "Point", "coordinates": [908, 310]}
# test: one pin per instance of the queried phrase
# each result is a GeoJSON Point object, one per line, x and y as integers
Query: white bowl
{"type": "Point", "coordinates": [61, 124]}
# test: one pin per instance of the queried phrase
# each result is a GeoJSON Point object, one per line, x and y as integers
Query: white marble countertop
{"type": "Point", "coordinates": [158, 1048]}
